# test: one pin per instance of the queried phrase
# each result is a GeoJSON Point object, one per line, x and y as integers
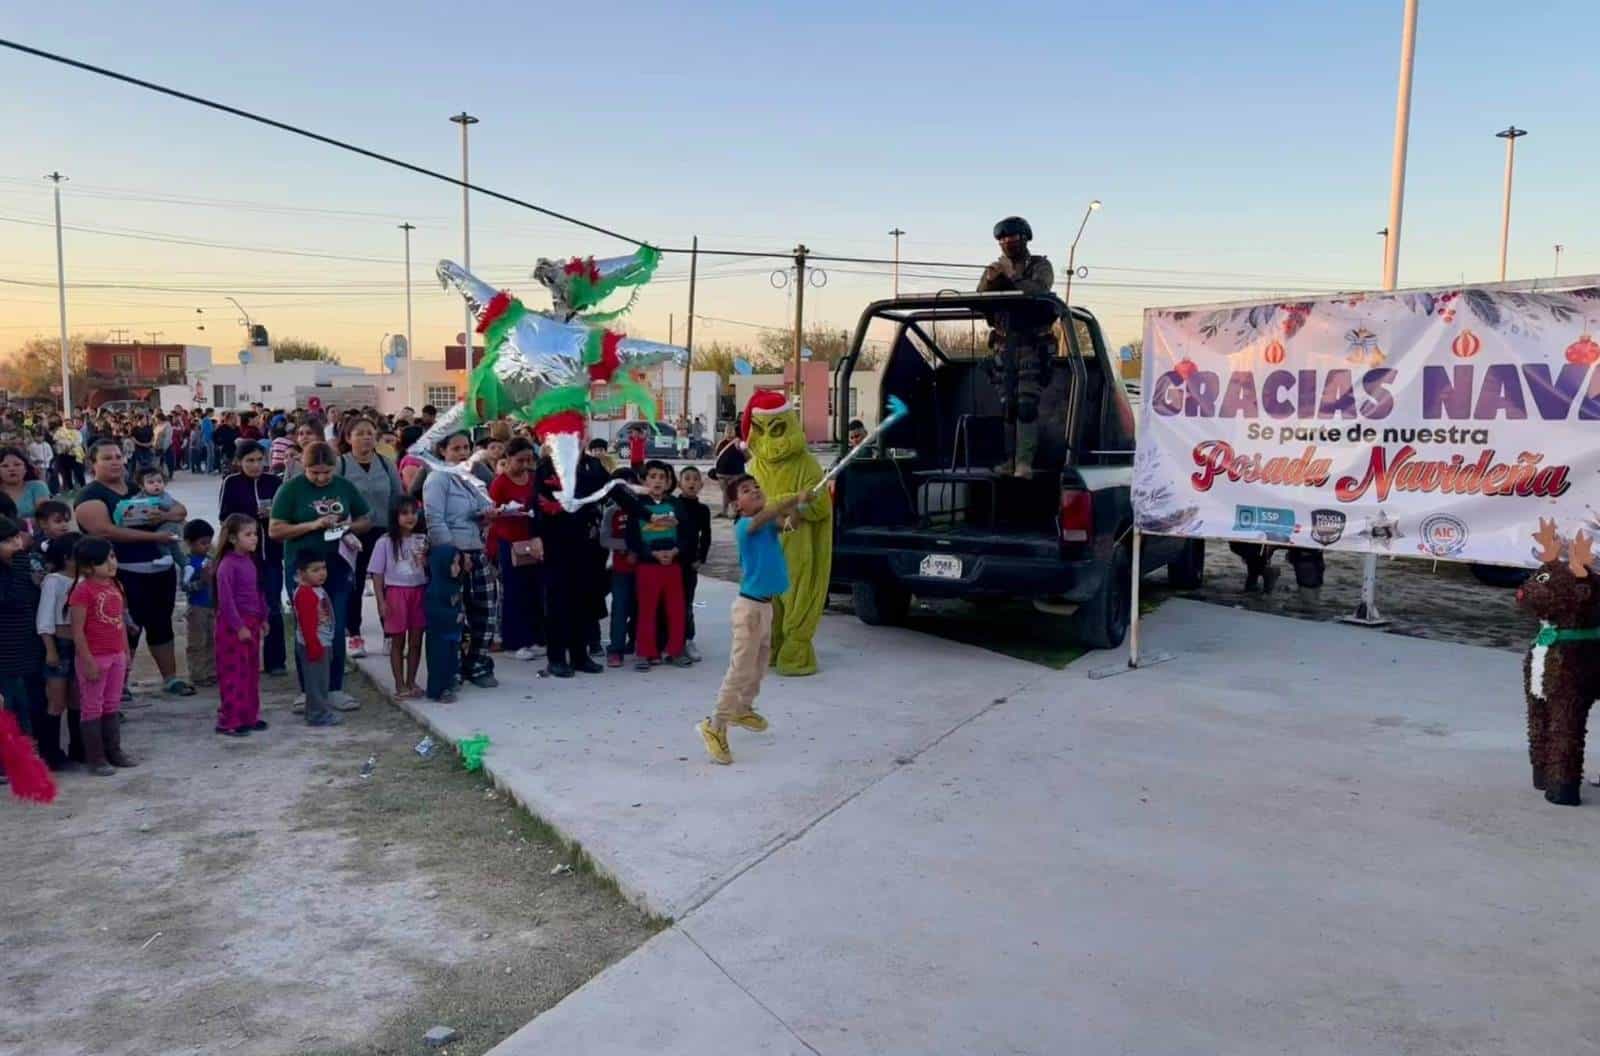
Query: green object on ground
{"type": "Point", "coordinates": [472, 749]}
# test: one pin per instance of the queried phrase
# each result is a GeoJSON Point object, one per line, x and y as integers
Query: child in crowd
{"type": "Point", "coordinates": [100, 653]}
{"type": "Point", "coordinates": [21, 654]}
{"type": "Point", "coordinates": [198, 574]}
{"type": "Point", "coordinates": [445, 616]}
{"type": "Point", "coordinates": [694, 546]}
{"type": "Point", "coordinates": [601, 452]}
{"type": "Point", "coordinates": [653, 540]}
{"type": "Point", "coordinates": [763, 574]}
{"type": "Point", "coordinates": [53, 621]}
{"type": "Point", "coordinates": [313, 646]}
{"type": "Point", "coordinates": [399, 572]}
{"type": "Point", "coordinates": [389, 444]}
{"type": "Point", "coordinates": [241, 626]}
{"type": "Point", "coordinates": [41, 455]}
{"type": "Point", "coordinates": [279, 451]}
{"type": "Point", "coordinates": [52, 520]}
{"type": "Point", "coordinates": [140, 509]}
{"type": "Point", "coordinates": [624, 567]}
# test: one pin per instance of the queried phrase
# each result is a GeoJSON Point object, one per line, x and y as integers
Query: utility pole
{"type": "Point", "coordinates": [800, 252]}
{"type": "Point", "coordinates": [1366, 614]}
{"type": "Point", "coordinates": [61, 298]}
{"type": "Point", "coordinates": [411, 350]}
{"type": "Point", "coordinates": [1402, 132]}
{"type": "Point", "coordinates": [1559, 248]}
{"type": "Point", "coordinates": [119, 334]}
{"type": "Point", "coordinates": [466, 120]}
{"type": "Point", "coordinates": [1510, 135]}
{"type": "Point", "coordinates": [153, 334]}
{"type": "Point", "coordinates": [672, 327]}
{"type": "Point", "coordinates": [688, 341]}
{"type": "Point", "coordinates": [896, 233]}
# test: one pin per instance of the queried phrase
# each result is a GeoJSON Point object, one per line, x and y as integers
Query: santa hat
{"type": "Point", "coordinates": [764, 402]}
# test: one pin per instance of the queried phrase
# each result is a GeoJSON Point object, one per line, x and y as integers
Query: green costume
{"type": "Point", "coordinates": [783, 466]}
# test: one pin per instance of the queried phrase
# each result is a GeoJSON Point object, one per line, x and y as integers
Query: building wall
{"type": "Point", "coordinates": [866, 383]}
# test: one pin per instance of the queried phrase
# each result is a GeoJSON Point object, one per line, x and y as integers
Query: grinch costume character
{"type": "Point", "coordinates": [783, 466]}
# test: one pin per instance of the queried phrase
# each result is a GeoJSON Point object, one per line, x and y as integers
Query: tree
{"type": "Point", "coordinates": [720, 358]}
{"type": "Point", "coordinates": [294, 349]}
{"type": "Point", "coordinates": [827, 344]}
{"type": "Point", "coordinates": [34, 367]}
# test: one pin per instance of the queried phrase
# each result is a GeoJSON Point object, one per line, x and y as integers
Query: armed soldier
{"type": "Point", "coordinates": [1022, 346]}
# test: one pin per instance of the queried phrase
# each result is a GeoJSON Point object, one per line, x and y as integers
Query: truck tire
{"type": "Point", "coordinates": [1499, 575]}
{"type": "Point", "coordinates": [1188, 569]}
{"type": "Point", "coordinates": [1102, 621]}
{"type": "Point", "coordinates": [880, 604]}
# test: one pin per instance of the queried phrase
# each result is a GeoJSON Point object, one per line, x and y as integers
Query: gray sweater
{"type": "Point", "coordinates": [379, 484]}
{"type": "Point", "coordinates": [453, 504]}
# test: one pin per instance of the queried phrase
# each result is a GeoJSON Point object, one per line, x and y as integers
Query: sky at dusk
{"type": "Point", "coordinates": [1241, 149]}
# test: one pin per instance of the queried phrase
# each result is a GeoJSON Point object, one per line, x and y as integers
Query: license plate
{"type": "Point", "coordinates": [941, 566]}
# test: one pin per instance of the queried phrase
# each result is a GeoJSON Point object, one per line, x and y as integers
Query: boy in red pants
{"type": "Point", "coordinates": [653, 539]}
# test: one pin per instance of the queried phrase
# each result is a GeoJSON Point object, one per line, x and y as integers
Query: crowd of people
{"type": "Point", "coordinates": [470, 555]}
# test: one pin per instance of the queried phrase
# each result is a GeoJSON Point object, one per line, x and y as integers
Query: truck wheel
{"type": "Point", "coordinates": [880, 604]}
{"type": "Point", "coordinates": [1102, 621]}
{"type": "Point", "coordinates": [1499, 575]}
{"type": "Point", "coordinates": [1188, 569]}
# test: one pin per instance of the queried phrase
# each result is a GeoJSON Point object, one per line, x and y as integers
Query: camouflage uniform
{"type": "Point", "coordinates": [1021, 359]}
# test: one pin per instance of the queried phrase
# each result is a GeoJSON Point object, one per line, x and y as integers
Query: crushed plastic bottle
{"type": "Point", "coordinates": [369, 766]}
{"type": "Point", "coordinates": [426, 747]}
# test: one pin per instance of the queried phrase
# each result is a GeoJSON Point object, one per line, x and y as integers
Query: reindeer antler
{"type": "Point", "coordinates": [1582, 554]}
{"type": "Point", "coordinates": [1549, 542]}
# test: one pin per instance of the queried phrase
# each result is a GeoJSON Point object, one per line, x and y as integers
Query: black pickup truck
{"type": "Point", "coordinates": [925, 513]}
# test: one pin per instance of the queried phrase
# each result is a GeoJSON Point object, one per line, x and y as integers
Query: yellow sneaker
{"type": "Point", "coordinates": [716, 743]}
{"type": "Point", "coordinates": [751, 721]}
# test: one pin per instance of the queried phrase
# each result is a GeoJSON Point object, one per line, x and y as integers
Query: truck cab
{"type": "Point", "coordinates": [925, 513]}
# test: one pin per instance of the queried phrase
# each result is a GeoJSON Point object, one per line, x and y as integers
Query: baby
{"type": "Point", "coordinates": [140, 509]}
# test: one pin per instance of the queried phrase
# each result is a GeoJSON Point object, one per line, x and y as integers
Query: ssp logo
{"type": "Point", "coordinates": [1443, 535]}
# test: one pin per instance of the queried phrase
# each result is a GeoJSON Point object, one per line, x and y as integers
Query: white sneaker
{"type": "Point", "coordinates": [691, 651]}
{"type": "Point", "coordinates": [528, 652]}
{"type": "Point", "coordinates": [355, 647]}
{"type": "Point", "coordinates": [299, 705]}
{"type": "Point", "coordinates": [343, 701]}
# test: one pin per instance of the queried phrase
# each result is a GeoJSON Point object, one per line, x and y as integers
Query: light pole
{"type": "Point", "coordinates": [1072, 254]}
{"type": "Point", "coordinates": [1366, 614]}
{"type": "Point", "coordinates": [1559, 248]}
{"type": "Point", "coordinates": [411, 350]}
{"type": "Point", "coordinates": [465, 120]}
{"type": "Point", "coordinates": [1511, 134]}
{"type": "Point", "coordinates": [895, 234]}
{"type": "Point", "coordinates": [61, 297]}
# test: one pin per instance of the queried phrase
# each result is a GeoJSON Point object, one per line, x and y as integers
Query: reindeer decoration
{"type": "Point", "coordinates": [1561, 673]}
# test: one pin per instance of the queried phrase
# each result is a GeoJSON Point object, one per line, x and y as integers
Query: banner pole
{"type": "Point", "coordinates": [1133, 619]}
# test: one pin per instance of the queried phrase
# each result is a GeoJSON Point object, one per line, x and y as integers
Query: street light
{"type": "Point", "coordinates": [465, 120]}
{"type": "Point", "coordinates": [1559, 248]}
{"type": "Point", "coordinates": [1510, 135]}
{"type": "Point", "coordinates": [895, 234]}
{"type": "Point", "coordinates": [1072, 254]}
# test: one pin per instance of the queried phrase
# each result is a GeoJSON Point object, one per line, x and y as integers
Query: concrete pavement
{"type": "Point", "coordinates": [1296, 837]}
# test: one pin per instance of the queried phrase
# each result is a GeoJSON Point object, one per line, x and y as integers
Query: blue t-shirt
{"type": "Point", "coordinates": [763, 573]}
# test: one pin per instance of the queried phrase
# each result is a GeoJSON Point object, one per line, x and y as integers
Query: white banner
{"type": "Point", "coordinates": [1438, 423]}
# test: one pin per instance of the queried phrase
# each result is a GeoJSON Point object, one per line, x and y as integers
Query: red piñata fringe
{"type": "Point", "coordinates": [563, 422]}
{"type": "Point", "coordinates": [29, 777]}
{"type": "Point", "coordinates": [610, 359]}
{"type": "Point", "coordinates": [495, 309]}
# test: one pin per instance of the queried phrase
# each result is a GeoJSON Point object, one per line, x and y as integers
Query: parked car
{"type": "Point", "coordinates": [927, 514]}
{"type": "Point", "coordinates": [660, 441]}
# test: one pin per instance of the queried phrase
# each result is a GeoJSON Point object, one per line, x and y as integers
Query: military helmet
{"type": "Point", "coordinates": [1013, 225]}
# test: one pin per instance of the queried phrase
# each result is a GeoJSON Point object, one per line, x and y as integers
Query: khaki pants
{"type": "Point", "coordinates": [202, 644]}
{"type": "Point", "coordinates": [752, 652]}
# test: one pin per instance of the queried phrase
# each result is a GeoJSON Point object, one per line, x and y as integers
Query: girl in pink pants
{"type": "Point", "coordinates": [241, 621]}
{"type": "Point", "coordinates": [100, 641]}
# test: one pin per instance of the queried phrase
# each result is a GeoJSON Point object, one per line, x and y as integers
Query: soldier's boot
{"type": "Point", "coordinates": [1009, 466]}
{"type": "Point", "coordinates": [1027, 447]}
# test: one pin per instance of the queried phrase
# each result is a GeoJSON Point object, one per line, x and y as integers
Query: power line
{"type": "Point", "coordinates": [284, 126]}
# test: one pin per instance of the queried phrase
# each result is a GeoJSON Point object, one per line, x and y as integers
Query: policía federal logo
{"type": "Point", "coordinates": [1327, 526]}
{"type": "Point", "coordinates": [1443, 535]}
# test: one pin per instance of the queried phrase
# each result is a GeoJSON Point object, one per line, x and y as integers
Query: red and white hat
{"type": "Point", "coordinates": [765, 402]}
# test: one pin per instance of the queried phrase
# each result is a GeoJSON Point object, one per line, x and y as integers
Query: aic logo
{"type": "Point", "coordinates": [1443, 535]}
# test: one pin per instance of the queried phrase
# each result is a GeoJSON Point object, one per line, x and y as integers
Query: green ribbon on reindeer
{"type": "Point", "coordinates": [1556, 635]}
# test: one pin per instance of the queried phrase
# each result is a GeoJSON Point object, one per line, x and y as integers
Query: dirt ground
{"type": "Point", "coordinates": [259, 897]}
